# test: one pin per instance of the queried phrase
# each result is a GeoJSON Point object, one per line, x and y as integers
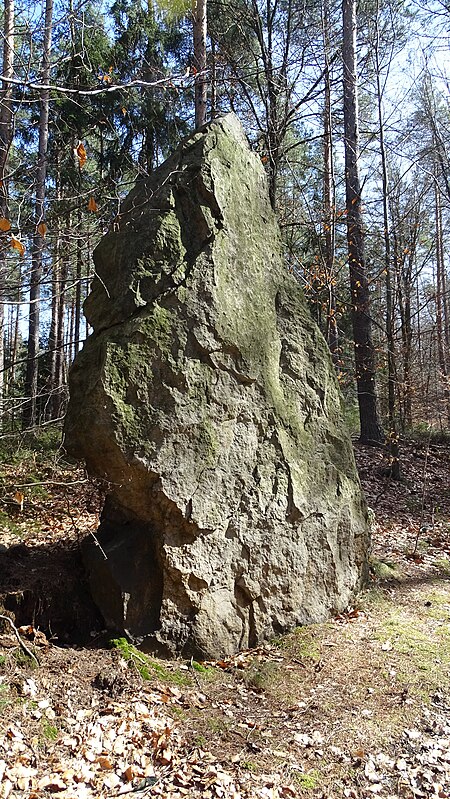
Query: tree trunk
{"type": "Point", "coordinates": [332, 333]}
{"type": "Point", "coordinates": [78, 279]}
{"type": "Point", "coordinates": [60, 369]}
{"type": "Point", "coordinates": [370, 427]}
{"type": "Point", "coordinates": [31, 376]}
{"type": "Point", "coordinates": [392, 441]}
{"type": "Point", "coordinates": [5, 143]}
{"type": "Point", "coordinates": [56, 269]}
{"type": "Point", "coordinates": [201, 84]}
{"type": "Point", "coordinates": [213, 99]}
{"type": "Point", "coordinates": [441, 343]}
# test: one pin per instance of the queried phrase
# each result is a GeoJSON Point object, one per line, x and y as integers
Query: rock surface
{"type": "Point", "coordinates": [207, 399]}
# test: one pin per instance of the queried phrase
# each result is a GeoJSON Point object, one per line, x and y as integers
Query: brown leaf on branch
{"type": "Point", "coordinates": [19, 498]}
{"type": "Point", "coordinates": [17, 245]}
{"type": "Point", "coordinates": [81, 154]}
{"type": "Point", "coordinates": [5, 224]}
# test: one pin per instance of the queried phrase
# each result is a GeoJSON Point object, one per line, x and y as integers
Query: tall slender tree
{"type": "Point", "coordinates": [6, 133]}
{"type": "Point", "coordinates": [370, 428]}
{"type": "Point", "coordinates": [31, 377]}
{"type": "Point", "coordinates": [389, 272]}
{"type": "Point", "coordinates": [329, 193]}
{"type": "Point", "coordinates": [442, 344]}
{"type": "Point", "coordinates": [201, 83]}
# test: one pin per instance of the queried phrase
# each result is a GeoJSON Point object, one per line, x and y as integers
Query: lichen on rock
{"type": "Point", "coordinates": [206, 398]}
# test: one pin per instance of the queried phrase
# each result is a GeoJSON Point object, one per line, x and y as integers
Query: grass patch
{"type": "Point", "coordinates": [370, 598]}
{"type": "Point", "coordinates": [26, 446]}
{"type": "Point", "coordinates": [303, 643]}
{"type": "Point", "coordinates": [308, 780]}
{"type": "Point", "coordinates": [22, 659]}
{"type": "Point", "coordinates": [443, 564]}
{"type": "Point", "coordinates": [5, 698]}
{"type": "Point", "coordinates": [420, 656]}
{"type": "Point", "coordinates": [148, 668]}
{"type": "Point", "coordinates": [204, 671]}
{"type": "Point", "coordinates": [250, 765]}
{"type": "Point", "coordinates": [423, 435]}
{"type": "Point", "coordinates": [437, 605]}
{"type": "Point", "coordinates": [261, 674]}
{"type": "Point", "coordinates": [10, 525]}
{"type": "Point", "coordinates": [49, 731]}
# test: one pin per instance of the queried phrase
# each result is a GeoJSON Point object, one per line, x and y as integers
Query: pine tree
{"type": "Point", "coordinates": [370, 427]}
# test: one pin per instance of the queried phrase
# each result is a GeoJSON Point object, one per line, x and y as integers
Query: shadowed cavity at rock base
{"type": "Point", "coordinates": [206, 398]}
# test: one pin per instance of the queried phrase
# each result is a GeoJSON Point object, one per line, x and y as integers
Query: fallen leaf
{"type": "Point", "coordinates": [52, 782]}
{"type": "Point", "coordinates": [129, 773]}
{"type": "Point", "coordinates": [105, 763]}
{"type": "Point", "coordinates": [5, 224]}
{"type": "Point", "coordinates": [165, 757]}
{"type": "Point", "coordinates": [111, 781]}
{"type": "Point", "coordinates": [29, 688]}
{"type": "Point", "coordinates": [6, 788]}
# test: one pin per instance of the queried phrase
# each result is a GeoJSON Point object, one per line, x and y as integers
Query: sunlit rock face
{"type": "Point", "coordinates": [206, 398]}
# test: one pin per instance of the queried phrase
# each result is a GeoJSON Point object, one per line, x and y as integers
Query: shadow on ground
{"type": "Point", "coordinates": [45, 586]}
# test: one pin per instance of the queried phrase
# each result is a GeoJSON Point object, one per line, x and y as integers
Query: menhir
{"type": "Point", "coordinates": [207, 400]}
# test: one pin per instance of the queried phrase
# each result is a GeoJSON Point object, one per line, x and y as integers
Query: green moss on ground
{"type": "Point", "coordinates": [148, 669]}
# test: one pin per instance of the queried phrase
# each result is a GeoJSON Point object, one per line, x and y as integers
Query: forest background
{"type": "Point", "coordinates": [346, 105]}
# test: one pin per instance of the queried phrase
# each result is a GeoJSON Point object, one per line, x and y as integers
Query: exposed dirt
{"type": "Point", "coordinates": [356, 707]}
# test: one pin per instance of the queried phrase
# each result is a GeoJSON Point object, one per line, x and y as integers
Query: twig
{"type": "Point", "coordinates": [146, 785]}
{"type": "Point", "coordinates": [383, 491]}
{"type": "Point", "coordinates": [116, 87]}
{"type": "Point", "coordinates": [191, 664]}
{"type": "Point", "coordinates": [135, 654]}
{"type": "Point", "coordinates": [48, 483]}
{"type": "Point", "coordinates": [21, 643]}
{"type": "Point", "coordinates": [98, 544]}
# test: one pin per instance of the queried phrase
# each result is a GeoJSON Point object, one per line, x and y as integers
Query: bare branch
{"type": "Point", "coordinates": [22, 644]}
{"type": "Point", "coordinates": [167, 81]}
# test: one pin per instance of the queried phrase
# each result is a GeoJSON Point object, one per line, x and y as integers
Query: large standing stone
{"type": "Point", "coordinates": [207, 400]}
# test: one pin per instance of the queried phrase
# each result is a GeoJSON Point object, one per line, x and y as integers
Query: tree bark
{"type": "Point", "coordinates": [5, 144]}
{"type": "Point", "coordinates": [32, 369]}
{"type": "Point", "coordinates": [332, 332]}
{"type": "Point", "coordinates": [440, 284]}
{"type": "Point", "coordinates": [370, 428]}
{"type": "Point", "coordinates": [60, 364]}
{"type": "Point", "coordinates": [392, 440]}
{"type": "Point", "coordinates": [201, 84]}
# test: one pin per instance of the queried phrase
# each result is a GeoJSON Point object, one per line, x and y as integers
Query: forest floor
{"type": "Point", "coordinates": [357, 707]}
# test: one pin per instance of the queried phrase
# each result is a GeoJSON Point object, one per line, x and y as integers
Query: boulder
{"type": "Point", "coordinates": [206, 399]}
